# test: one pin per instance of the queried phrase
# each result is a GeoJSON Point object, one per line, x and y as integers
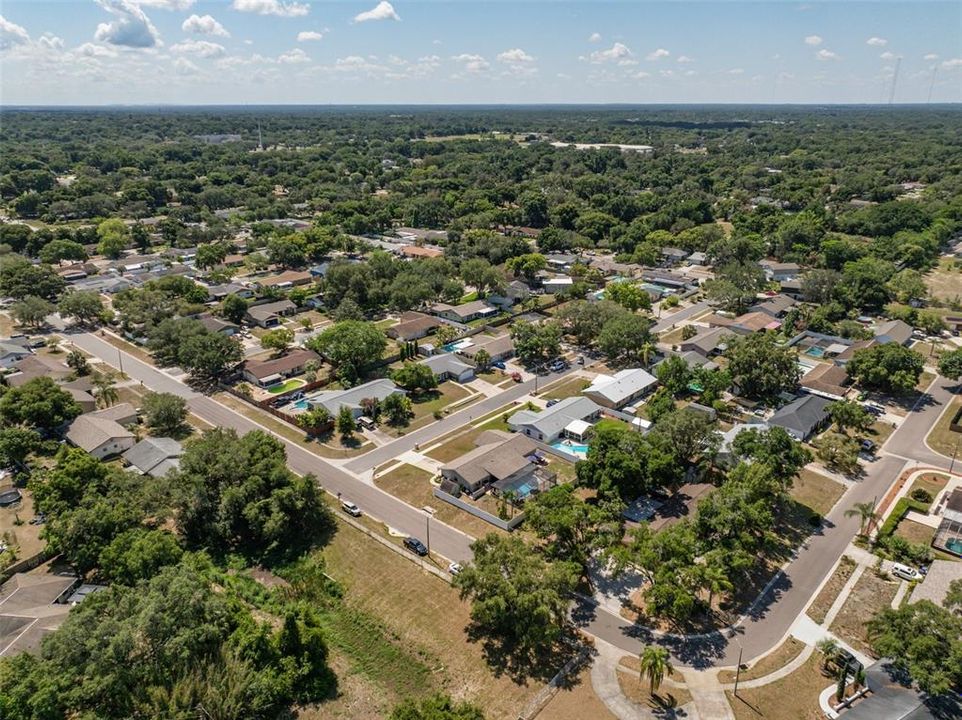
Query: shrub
{"type": "Point", "coordinates": [922, 495]}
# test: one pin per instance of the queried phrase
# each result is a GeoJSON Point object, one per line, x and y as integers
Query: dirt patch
{"type": "Point", "coordinates": [870, 594]}
{"type": "Point", "coordinates": [638, 690]}
{"type": "Point", "coordinates": [15, 527]}
{"type": "Point", "coordinates": [577, 701]}
{"type": "Point", "coordinates": [915, 532]}
{"type": "Point", "coordinates": [778, 658]}
{"type": "Point", "coordinates": [816, 491]}
{"type": "Point", "coordinates": [944, 281]}
{"type": "Point", "coordinates": [826, 596]}
{"type": "Point", "coordinates": [797, 692]}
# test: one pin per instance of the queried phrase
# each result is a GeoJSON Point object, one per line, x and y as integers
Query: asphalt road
{"type": "Point", "coordinates": [445, 540]}
{"type": "Point", "coordinates": [669, 321]}
{"type": "Point", "coordinates": [449, 424]}
{"type": "Point", "coordinates": [759, 632]}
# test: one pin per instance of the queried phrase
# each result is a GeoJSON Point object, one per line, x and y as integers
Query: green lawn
{"type": "Point", "coordinates": [285, 386]}
{"type": "Point", "coordinates": [565, 389]}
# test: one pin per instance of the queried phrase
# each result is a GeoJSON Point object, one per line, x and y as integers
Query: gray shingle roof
{"type": "Point", "coordinates": [333, 400]}
{"type": "Point", "coordinates": [153, 455]}
{"type": "Point", "coordinates": [802, 414]}
{"type": "Point", "coordinates": [551, 421]}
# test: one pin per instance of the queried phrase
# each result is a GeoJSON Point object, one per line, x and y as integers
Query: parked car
{"type": "Point", "coordinates": [552, 402]}
{"type": "Point", "coordinates": [557, 366]}
{"type": "Point", "coordinates": [905, 572]}
{"type": "Point", "coordinates": [350, 508]}
{"type": "Point", "coordinates": [415, 546]}
{"type": "Point", "coordinates": [868, 446]}
{"type": "Point", "coordinates": [498, 364]}
{"type": "Point", "coordinates": [454, 569]}
{"type": "Point", "coordinates": [516, 376]}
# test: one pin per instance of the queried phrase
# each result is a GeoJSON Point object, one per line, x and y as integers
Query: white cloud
{"type": "Point", "coordinates": [813, 40]}
{"type": "Point", "coordinates": [930, 57]}
{"type": "Point", "coordinates": [515, 56]}
{"type": "Point", "coordinates": [204, 25]}
{"type": "Point", "coordinates": [887, 55]}
{"type": "Point", "coordinates": [877, 42]}
{"type": "Point", "coordinates": [617, 52]}
{"type": "Point", "coordinates": [166, 4]}
{"type": "Point", "coordinates": [129, 28]}
{"type": "Point", "coordinates": [293, 57]}
{"type": "Point", "coordinates": [826, 54]}
{"type": "Point", "coordinates": [685, 59]}
{"type": "Point", "coordinates": [641, 75]}
{"type": "Point", "coordinates": [49, 41]}
{"type": "Point", "coordinates": [657, 54]}
{"type": "Point", "coordinates": [594, 37]}
{"type": "Point", "coordinates": [472, 63]}
{"type": "Point", "coordinates": [952, 63]}
{"type": "Point", "coordinates": [736, 71]}
{"type": "Point", "coordinates": [94, 51]}
{"type": "Point", "coordinates": [272, 7]}
{"type": "Point", "coordinates": [200, 48]}
{"type": "Point", "coordinates": [382, 11]}
{"type": "Point", "coordinates": [185, 67]}
{"type": "Point", "coordinates": [12, 34]}
{"type": "Point", "coordinates": [309, 35]}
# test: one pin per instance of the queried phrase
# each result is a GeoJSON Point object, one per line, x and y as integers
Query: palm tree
{"type": "Point", "coordinates": [714, 580]}
{"type": "Point", "coordinates": [647, 350]}
{"type": "Point", "coordinates": [104, 390]}
{"type": "Point", "coordinates": [828, 646]}
{"type": "Point", "coordinates": [654, 663]}
{"type": "Point", "coordinates": [866, 514]}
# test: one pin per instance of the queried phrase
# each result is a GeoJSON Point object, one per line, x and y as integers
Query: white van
{"type": "Point", "coordinates": [350, 508]}
{"type": "Point", "coordinates": [905, 572]}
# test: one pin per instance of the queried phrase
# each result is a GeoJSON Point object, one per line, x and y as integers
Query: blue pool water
{"type": "Point", "coordinates": [301, 404]}
{"type": "Point", "coordinates": [815, 351]}
{"type": "Point", "coordinates": [578, 450]}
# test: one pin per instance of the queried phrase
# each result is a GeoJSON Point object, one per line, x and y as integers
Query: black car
{"type": "Point", "coordinates": [415, 546]}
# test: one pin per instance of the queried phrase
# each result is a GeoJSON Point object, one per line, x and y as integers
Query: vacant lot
{"type": "Point", "coordinates": [458, 443]}
{"type": "Point", "coordinates": [565, 389]}
{"type": "Point", "coordinates": [869, 595]}
{"type": "Point", "coordinates": [16, 530]}
{"type": "Point", "coordinates": [816, 491]}
{"type": "Point", "coordinates": [778, 658]}
{"type": "Point", "coordinates": [424, 619]}
{"type": "Point", "coordinates": [942, 439]}
{"type": "Point", "coordinates": [794, 696]}
{"type": "Point", "coordinates": [945, 281]}
{"type": "Point", "coordinates": [820, 607]}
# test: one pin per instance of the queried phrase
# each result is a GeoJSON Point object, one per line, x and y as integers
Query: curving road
{"type": "Point", "coordinates": [756, 634]}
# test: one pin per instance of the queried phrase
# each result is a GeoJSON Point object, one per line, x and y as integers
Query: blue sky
{"type": "Point", "coordinates": [288, 51]}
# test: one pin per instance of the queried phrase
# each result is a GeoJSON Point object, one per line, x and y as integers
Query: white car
{"type": "Point", "coordinates": [454, 568]}
{"type": "Point", "coordinates": [905, 572]}
{"type": "Point", "coordinates": [350, 508]}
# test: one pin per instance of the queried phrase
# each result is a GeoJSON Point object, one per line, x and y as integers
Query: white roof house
{"type": "Point", "coordinates": [616, 391]}
{"type": "Point", "coordinates": [547, 425]}
{"type": "Point", "coordinates": [447, 366]}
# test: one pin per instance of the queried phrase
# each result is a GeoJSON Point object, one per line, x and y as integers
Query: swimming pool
{"type": "Point", "coordinates": [579, 450]}
{"type": "Point", "coordinates": [302, 404]}
{"type": "Point", "coordinates": [457, 345]}
{"type": "Point", "coordinates": [815, 351]}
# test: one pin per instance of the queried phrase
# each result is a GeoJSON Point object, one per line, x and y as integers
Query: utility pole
{"type": "Point", "coordinates": [428, 523]}
{"type": "Point", "coordinates": [738, 669]}
{"type": "Point", "coordinates": [120, 361]}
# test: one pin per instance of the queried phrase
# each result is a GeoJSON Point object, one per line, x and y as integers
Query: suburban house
{"type": "Point", "coordinates": [269, 314]}
{"type": "Point", "coordinates": [792, 288]}
{"type": "Point", "coordinates": [499, 458]}
{"type": "Point", "coordinates": [413, 326]}
{"type": "Point", "coordinates": [828, 381]}
{"type": "Point", "coordinates": [514, 292]}
{"type": "Point", "coordinates": [776, 305]}
{"type": "Point", "coordinates": [34, 366]}
{"type": "Point", "coordinates": [286, 279]}
{"type": "Point", "coordinates": [848, 353]}
{"type": "Point", "coordinates": [11, 352]}
{"type": "Point", "coordinates": [334, 400]}
{"type": "Point", "coordinates": [102, 433]}
{"type": "Point", "coordinates": [551, 423]}
{"type": "Point", "coordinates": [673, 256]}
{"type": "Point", "coordinates": [692, 359]}
{"type": "Point", "coordinates": [780, 271]}
{"type": "Point", "coordinates": [86, 401]}
{"type": "Point", "coordinates": [753, 322]}
{"type": "Point", "coordinates": [554, 285]}
{"type": "Point", "coordinates": [948, 536]}
{"type": "Point", "coordinates": [465, 312]}
{"type": "Point", "coordinates": [419, 251]}
{"type": "Point", "coordinates": [447, 366]}
{"type": "Point", "coordinates": [621, 389]}
{"type": "Point", "coordinates": [667, 279]}
{"type": "Point", "coordinates": [497, 348]}
{"type": "Point", "coordinates": [31, 607]}
{"type": "Point", "coordinates": [697, 258]}
{"type": "Point", "coordinates": [216, 325]}
{"type": "Point", "coordinates": [708, 343]}
{"type": "Point", "coordinates": [563, 261]}
{"type": "Point", "coordinates": [271, 371]}
{"type": "Point", "coordinates": [893, 331]}
{"type": "Point", "coordinates": [219, 292]}
{"type": "Point", "coordinates": [802, 417]}
{"type": "Point", "coordinates": [725, 457]}
{"type": "Point", "coordinates": [154, 456]}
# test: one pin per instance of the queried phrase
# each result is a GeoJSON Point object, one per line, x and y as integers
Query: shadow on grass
{"type": "Point", "coordinates": [523, 663]}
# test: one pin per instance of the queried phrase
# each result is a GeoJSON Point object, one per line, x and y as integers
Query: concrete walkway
{"type": "Point", "coordinates": [707, 694]}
